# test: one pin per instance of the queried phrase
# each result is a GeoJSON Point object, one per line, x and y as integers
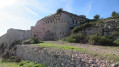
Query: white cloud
{"type": "Point", "coordinates": [31, 11]}
{"type": "Point", "coordinates": [89, 8]}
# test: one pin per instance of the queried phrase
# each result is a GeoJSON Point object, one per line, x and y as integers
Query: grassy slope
{"type": "Point", "coordinates": [23, 63]}
{"type": "Point", "coordinates": [110, 57]}
{"type": "Point", "coordinates": [8, 64]}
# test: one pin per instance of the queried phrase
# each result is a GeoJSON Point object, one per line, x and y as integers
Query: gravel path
{"type": "Point", "coordinates": [101, 49]}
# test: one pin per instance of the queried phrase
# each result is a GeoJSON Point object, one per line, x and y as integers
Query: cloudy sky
{"type": "Point", "coordinates": [22, 14]}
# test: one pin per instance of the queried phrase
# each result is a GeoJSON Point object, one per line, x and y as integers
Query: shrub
{"type": "Point", "coordinates": [115, 34]}
{"type": "Point", "coordinates": [100, 40]}
{"type": "Point", "coordinates": [59, 10]}
{"type": "Point", "coordinates": [81, 27]}
{"type": "Point", "coordinates": [39, 65]}
{"type": "Point", "coordinates": [75, 38]}
{"type": "Point", "coordinates": [32, 41]}
{"type": "Point", "coordinates": [22, 63]}
{"type": "Point", "coordinates": [6, 55]}
{"type": "Point", "coordinates": [115, 14]}
{"type": "Point", "coordinates": [30, 64]}
{"type": "Point", "coordinates": [116, 42]}
{"type": "Point", "coordinates": [105, 41]}
{"type": "Point", "coordinates": [96, 17]}
{"type": "Point", "coordinates": [93, 39]}
{"type": "Point", "coordinates": [15, 59]}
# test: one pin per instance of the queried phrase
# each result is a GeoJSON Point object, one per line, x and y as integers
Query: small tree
{"type": "Point", "coordinates": [59, 10]}
{"type": "Point", "coordinates": [96, 17]}
{"type": "Point", "coordinates": [115, 14]}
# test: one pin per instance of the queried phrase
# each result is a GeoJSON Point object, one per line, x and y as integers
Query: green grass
{"type": "Point", "coordinates": [21, 64]}
{"type": "Point", "coordinates": [8, 64]}
{"type": "Point", "coordinates": [110, 57]}
{"type": "Point", "coordinates": [61, 47]}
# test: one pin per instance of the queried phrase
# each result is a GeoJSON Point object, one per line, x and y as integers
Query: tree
{"type": "Point", "coordinates": [115, 14]}
{"type": "Point", "coordinates": [59, 10]}
{"type": "Point", "coordinates": [96, 17]}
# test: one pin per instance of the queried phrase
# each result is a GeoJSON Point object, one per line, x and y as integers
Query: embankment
{"type": "Point", "coordinates": [58, 57]}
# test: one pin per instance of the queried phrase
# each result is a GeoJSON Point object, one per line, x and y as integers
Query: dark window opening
{"type": "Point", "coordinates": [73, 21]}
{"type": "Point", "coordinates": [76, 22]}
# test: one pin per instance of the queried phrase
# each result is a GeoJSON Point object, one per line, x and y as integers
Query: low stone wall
{"type": "Point", "coordinates": [58, 58]}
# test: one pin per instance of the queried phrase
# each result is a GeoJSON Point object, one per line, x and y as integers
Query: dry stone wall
{"type": "Point", "coordinates": [57, 57]}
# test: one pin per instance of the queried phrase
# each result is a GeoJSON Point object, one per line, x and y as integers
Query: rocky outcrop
{"type": "Point", "coordinates": [57, 57]}
{"type": "Point", "coordinates": [106, 27]}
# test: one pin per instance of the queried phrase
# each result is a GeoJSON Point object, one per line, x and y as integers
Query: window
{"type": "Point", "coordinates": [73, 21]}
{"type": "Point", "coordinates": [76, 22]}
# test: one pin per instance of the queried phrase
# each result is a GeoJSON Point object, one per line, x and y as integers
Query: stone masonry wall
{"type": "Point", "coordinates": [13, 35]}
{"type": "Point", "coordinates": [57, 57]}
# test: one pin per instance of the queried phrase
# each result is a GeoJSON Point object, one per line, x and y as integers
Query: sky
{"type": "Point", "coordinates": [22, 14]}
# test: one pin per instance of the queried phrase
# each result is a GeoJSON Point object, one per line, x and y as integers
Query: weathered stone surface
{"type": "Point", "coordinates": [58, 57]}
{"type": "Point", "coordinates": [56, 26]}
{"type": "Point", "coordinates": [13, 35]}
{"type": "Point", "coordinates": [106, 28]}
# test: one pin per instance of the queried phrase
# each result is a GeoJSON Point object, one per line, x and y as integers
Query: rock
{"type": "Point", "coordinates": [115, 65]}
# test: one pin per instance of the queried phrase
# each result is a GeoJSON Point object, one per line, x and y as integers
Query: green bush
{"type": "Point", "coordinates": [30, 64]}
{"type": "Point", "coordinates": [15, 59]}
{"type": "Point", "coordinates": [32, 41]}
{"type": "Point", "coordinates": [105, 41]}
{"type": "Point", "coordinates": [6, 55]}
{"type": "Point", "coordinates": [115, 34]}
{"type": "Point", "coordinates": [100, 40]}
{"type": "Point", "coordinates": [115, 14]}
{"type": "Point", "coordinates": [116, 42]}
{"type": "Point", "coordinates": [96, 17]}
{"type": "Point", "coordinates": [22, 63]}
{"type": "Point", "coordinates": [83, 26]}
{"type": "Point", "coordinates": [93, 39]}
{"type": "Point", "coordinates": [39, 65]}
{"type": "Point", "coordinates": [75, 38]}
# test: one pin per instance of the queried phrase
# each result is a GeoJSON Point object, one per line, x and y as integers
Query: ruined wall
{"type": "Point", "coordinates": [13, 35]}
{"type": "Point", "coordinates": [57, 57]}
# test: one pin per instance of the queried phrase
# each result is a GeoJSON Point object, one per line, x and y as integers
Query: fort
{"type": "Point", "coordinates": [52, 27]}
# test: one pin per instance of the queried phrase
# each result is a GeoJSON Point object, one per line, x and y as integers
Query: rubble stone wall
{"type": "Point", "coordinates": [57, 57]}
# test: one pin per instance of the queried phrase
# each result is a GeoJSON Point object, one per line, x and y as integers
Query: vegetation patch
{"type": "Point", "coordinates": [32, 40]}
{"type": "Point", "coordinates": [76, 38]}
{"type": "Point", "coordinates": [61, 47]}
{"type": "Point", "coordinates": [116, 42]}
{"type": "Point", "coordinates": [23, 63]}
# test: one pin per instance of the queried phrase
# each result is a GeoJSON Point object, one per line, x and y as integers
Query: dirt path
{"type": "Point", "coordinates": [101, 49]}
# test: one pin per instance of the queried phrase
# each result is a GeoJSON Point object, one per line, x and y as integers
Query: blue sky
{"type": "Point", "coordinates": [22, 14]}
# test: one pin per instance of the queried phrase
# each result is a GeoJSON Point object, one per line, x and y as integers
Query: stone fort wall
{"type": "Point", "coordinates": [56, 26]}
{"type": "Point", "coordinates": [13, 35]}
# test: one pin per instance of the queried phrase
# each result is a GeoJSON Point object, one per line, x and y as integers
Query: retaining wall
{"type": "Point", "coordinates": [58, 58]}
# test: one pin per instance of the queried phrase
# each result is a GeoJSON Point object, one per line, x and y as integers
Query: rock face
{"type": "Point", "coordinates": [104, 28]}
{"type": "Point", "coordinates": [56, 26]}
{"type": "Point", "coordinates": [13, 35]}
{"type": "Point", "coordinates": [57, 57]}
